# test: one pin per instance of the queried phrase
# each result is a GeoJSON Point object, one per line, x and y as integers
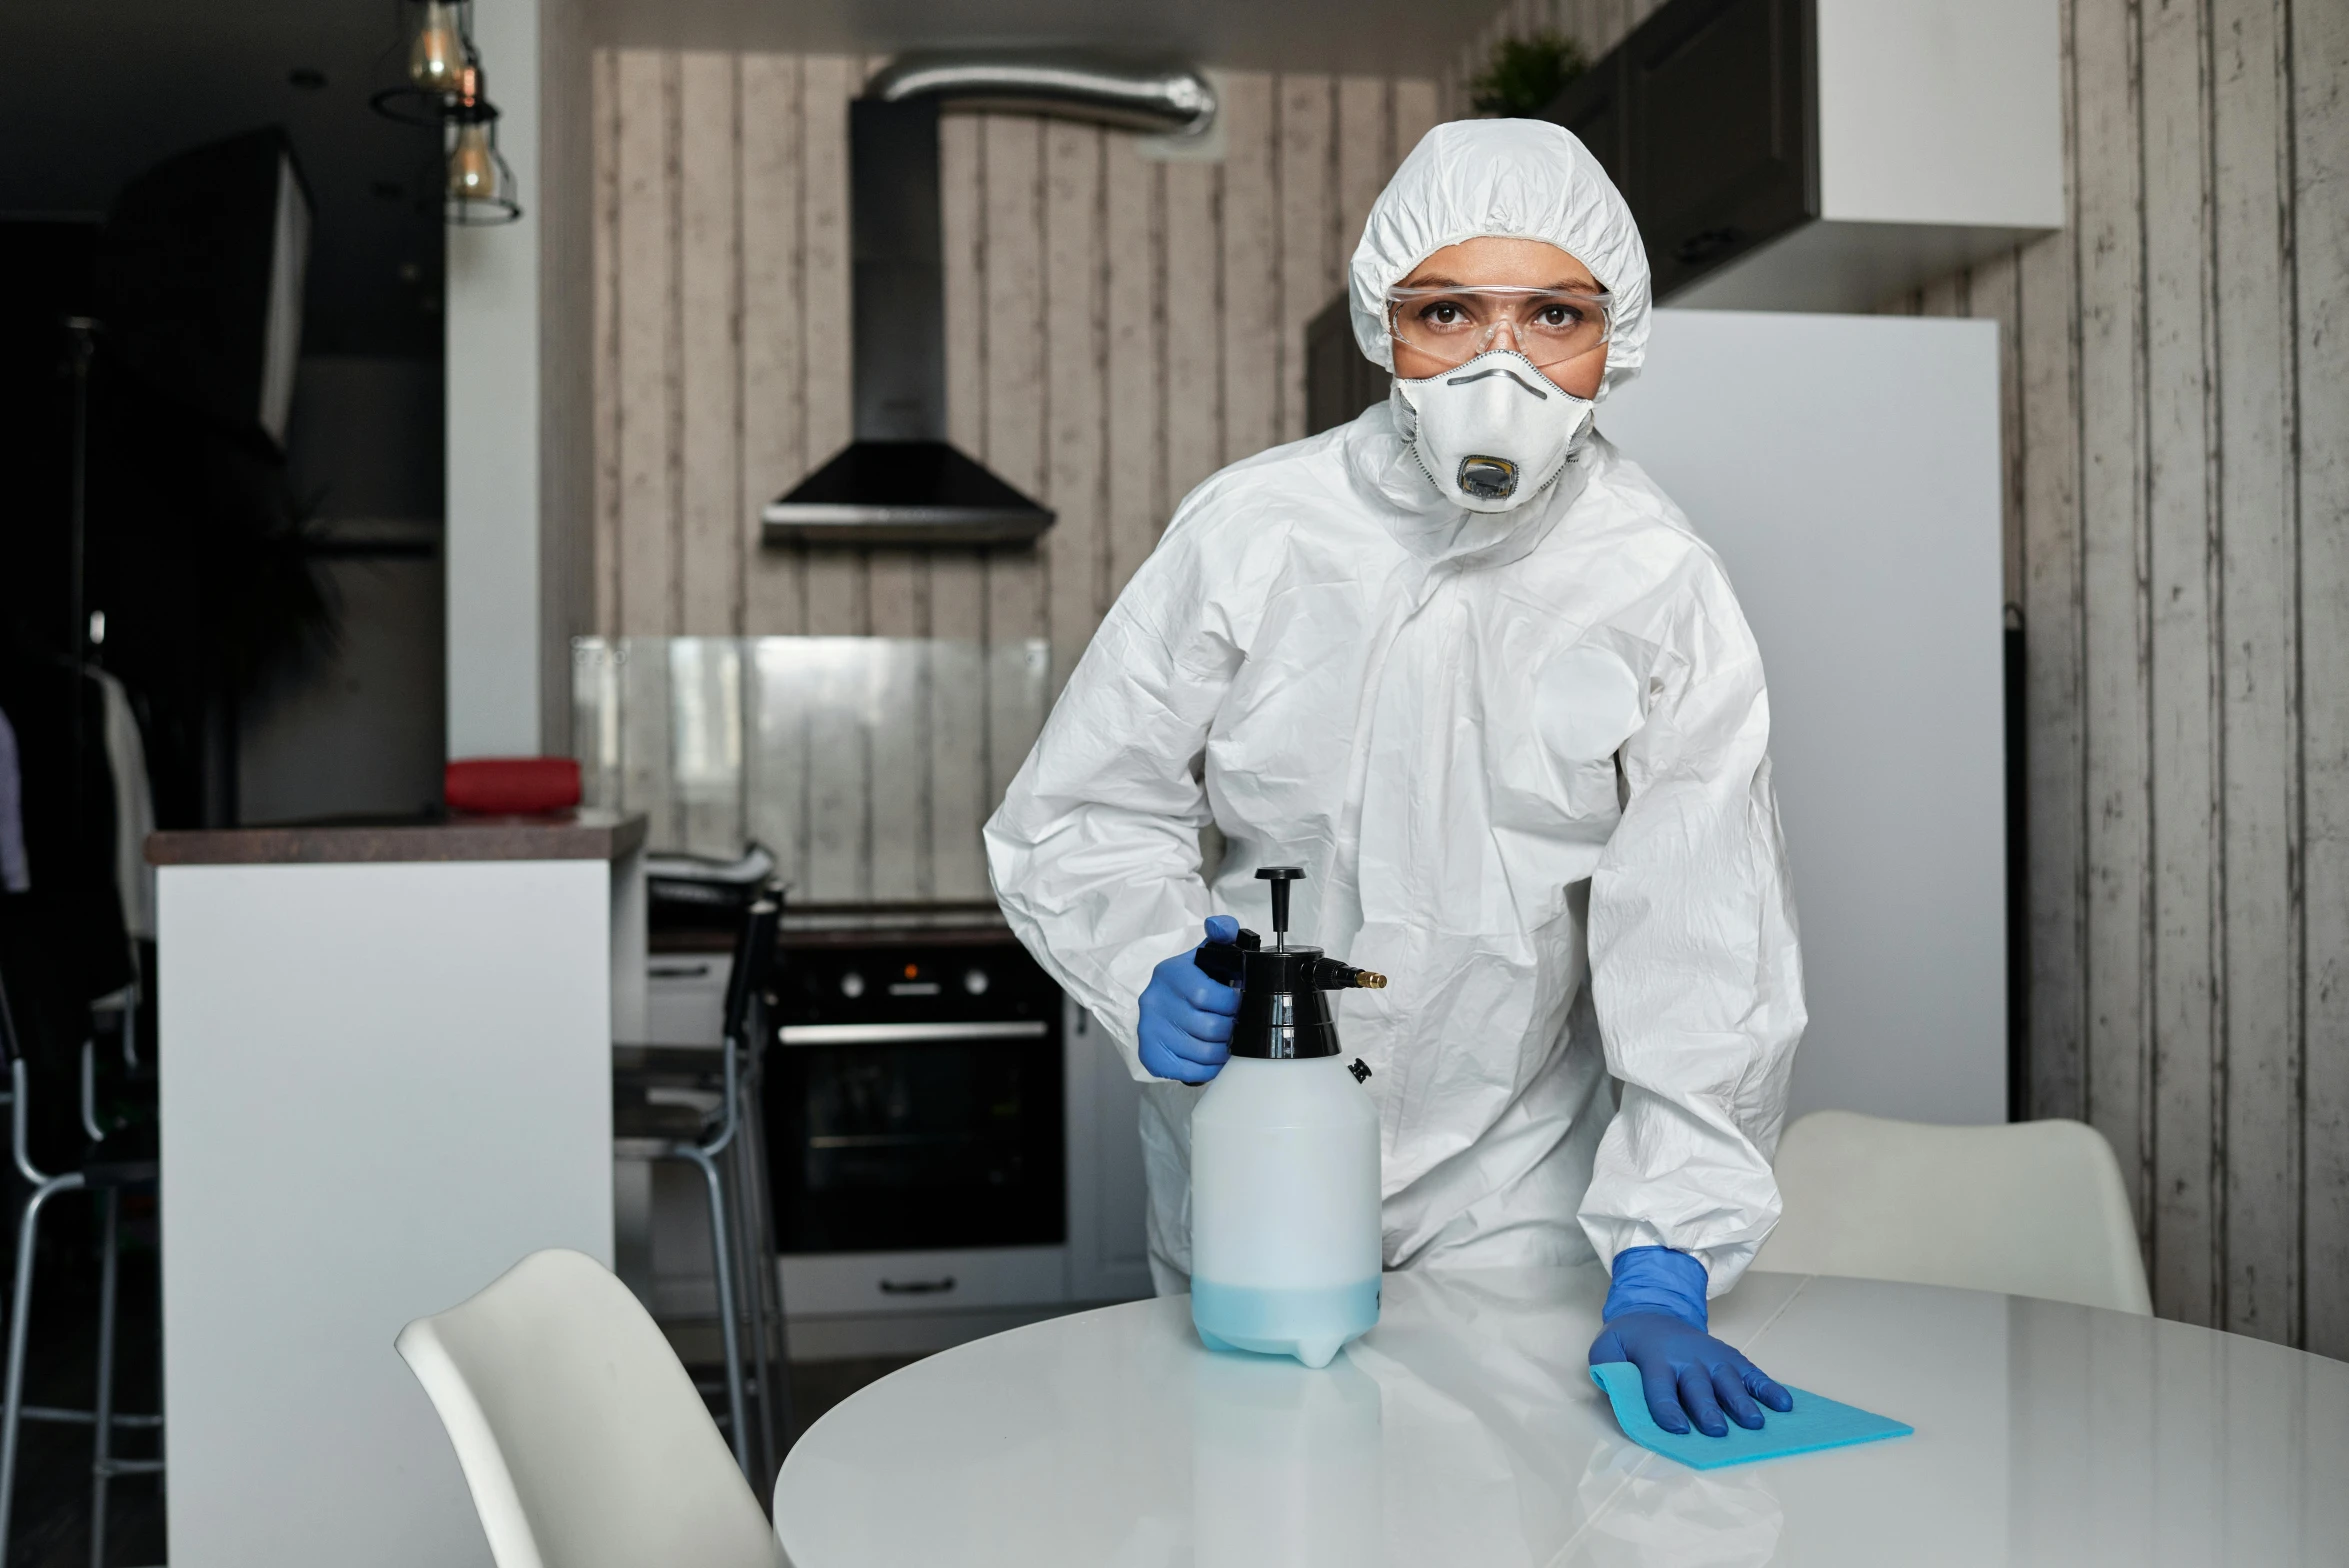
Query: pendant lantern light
{"type": "Point", "coordinates": [439, 84]}
{"type": "Point", "coordinates": [443, 47]}
{"type": "Point", "coordinates": [434, 53]}
{"type": "Point", "coordinates": [477, 188]}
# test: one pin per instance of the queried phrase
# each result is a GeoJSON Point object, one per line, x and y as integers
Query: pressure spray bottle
{"type": "Point", "coordinates": [1285, 1191]}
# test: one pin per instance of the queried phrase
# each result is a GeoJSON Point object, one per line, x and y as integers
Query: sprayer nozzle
{"type": "Point", "coordinates": [1368, 981]}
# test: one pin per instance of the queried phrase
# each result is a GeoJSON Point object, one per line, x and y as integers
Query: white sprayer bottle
{"type": "Point", "coordinates": [1285, 1246]}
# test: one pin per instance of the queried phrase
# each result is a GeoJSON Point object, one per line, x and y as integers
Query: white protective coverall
{"type": "Point", "coordinates": [1522, 759]}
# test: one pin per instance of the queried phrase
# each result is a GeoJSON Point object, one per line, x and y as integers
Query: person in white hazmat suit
{"type": "Point", "coordinates": [1466, 664]}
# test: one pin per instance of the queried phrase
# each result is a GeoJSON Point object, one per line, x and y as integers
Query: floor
{"type": "Point", "coordinates": [51, 1525]}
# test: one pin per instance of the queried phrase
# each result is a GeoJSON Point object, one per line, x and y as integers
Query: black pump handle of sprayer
{"type": "Point", "coordinates": [1280, 877]}
{"type": "Point", "coordinates": [1227, 961]}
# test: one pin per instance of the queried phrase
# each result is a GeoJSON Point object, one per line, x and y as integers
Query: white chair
{"type": "Point", "coordinates": [2030, 1209]}
{"type": "Point", "coordinates": [581, 1436]}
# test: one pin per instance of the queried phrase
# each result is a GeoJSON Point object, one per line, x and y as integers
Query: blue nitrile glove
{"type": "Point", "coordinates": [1187, 1014]}
{"type": "Point", "coordinates": [1655, 1317]}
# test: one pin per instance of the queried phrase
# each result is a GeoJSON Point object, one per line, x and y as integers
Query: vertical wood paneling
{"type": "Point", "coordinates": [708, 246]}
{"type": "Point", "coordinates": [897, 590]}
{"type": "Point", "coordinates": [774, 360]}
{"type": "Point", "coordinates": [1366, 154]}
{"type": "Point", "coordinates": [836, 602]}
{"type": "Point", "coordinates": [898, 605]}
{"type": "Point", "coordinates": [644, 306]}
{"type": "Point", "coordinates": [1015, 414]}
{"type": "Point", "coordinates": [2318, 274]}
{"type": "Point", "coordinates": [1133, 209]}
{"type": "Point", "coordinates": [774, 448]}
{"type": "Point", "coordinates": [1307, 232]}
{"type": "Point", "coordinates": [705, 445]}
{"type": "Point", "coordinates": [1193, 290]}
{"type": "Point", "coordinates": [2113, 588]}
{"type": "Point", "coordinates": [1076, 432]}
{"type": "Point", "coordinates": [2182, 665]}
{"type": "Point", "coordinates": [2259, 956]}
{"type": "Point", "coordinates": [1251, 268]}
{"type": "Point", "coordinates": [959, 798]}
{"type": "Point", "coordinates": [1415, 115]}
{"type": "Point", "coordinates": [839, 865]}
{"type": "Point", "coordinates": [604, 74]}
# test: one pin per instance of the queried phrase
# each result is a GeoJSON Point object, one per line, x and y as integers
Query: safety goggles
{"type": "Point", "coordinates": [1454, 325]}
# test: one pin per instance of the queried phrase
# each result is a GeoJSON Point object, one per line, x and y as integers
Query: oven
{"type": "Point", "coordinates": [916, 1119]}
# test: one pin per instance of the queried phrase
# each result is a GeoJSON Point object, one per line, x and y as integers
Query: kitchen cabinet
{"type": "Point", "coordinates": [1339, 382]}
{"type": "Point", "coordinates": [386, 1063]}
{"type": "Point", "coordinates": [1826, 154]}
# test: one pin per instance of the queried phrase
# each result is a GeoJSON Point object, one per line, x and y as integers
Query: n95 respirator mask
{"type": "Point", "coordinates": [1492, 432]}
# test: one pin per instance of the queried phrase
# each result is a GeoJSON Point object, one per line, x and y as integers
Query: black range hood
{"type": "Point", "coordinates": [902, 492]}
{"type": "Point", "coordinates": [899, 482]}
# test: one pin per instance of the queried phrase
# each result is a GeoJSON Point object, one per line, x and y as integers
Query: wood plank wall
{"type": "Point", "coordinates": [2177, 537]}
{"type": "Point", "coordinates": [1117, 329]}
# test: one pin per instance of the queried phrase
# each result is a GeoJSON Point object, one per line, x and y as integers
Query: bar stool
{"type": "Point", "coordinates": [726, 1144]}
{"type": "Point", "coordinates": [116, 1165]}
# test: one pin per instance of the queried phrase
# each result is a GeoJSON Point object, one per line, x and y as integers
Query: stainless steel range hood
{"type": "Point", "coordinates": [900, 482]}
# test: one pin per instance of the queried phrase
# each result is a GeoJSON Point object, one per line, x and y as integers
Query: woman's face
{"type": "Point", "coordinates": [1490, 262]}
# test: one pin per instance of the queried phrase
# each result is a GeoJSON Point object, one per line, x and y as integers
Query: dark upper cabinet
{"type": "Point", "coordinates": [1339, 382]}
{"type": "Point", "coordinates": [1705, 119]}
{"type": "Point", "coordinates": [1592, 108]}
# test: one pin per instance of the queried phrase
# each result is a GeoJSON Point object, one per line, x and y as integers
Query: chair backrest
{"type": "Point", "coordinates": [581, 1437]}
{"type": "Point", "coordinates": [2031, 1209]}
{"type": "Point", "coordinates": [754, 962]}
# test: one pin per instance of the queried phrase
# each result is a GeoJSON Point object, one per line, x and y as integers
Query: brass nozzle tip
{"type": "Point", "coordinates": [1368, 981]}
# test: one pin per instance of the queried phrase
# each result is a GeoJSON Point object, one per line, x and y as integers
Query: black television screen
{"type": "Point", "coordinates": [200, 273]}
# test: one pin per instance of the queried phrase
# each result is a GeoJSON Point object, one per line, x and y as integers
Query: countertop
{"type": "Point", "coordinates": [1464, 1429]}
{"type": "Point", "coordinates": [572, 835]}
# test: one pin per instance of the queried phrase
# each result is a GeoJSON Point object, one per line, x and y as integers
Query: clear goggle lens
{"type": "Point", "coordinates": [1454, 325]}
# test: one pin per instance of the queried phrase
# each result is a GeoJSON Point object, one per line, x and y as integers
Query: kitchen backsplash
{"type": "Point", "coordinates": [867, 764]}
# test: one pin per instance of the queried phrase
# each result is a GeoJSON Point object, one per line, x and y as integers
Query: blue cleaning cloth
{"type": "Point", "coordinates": [1814, 1422]}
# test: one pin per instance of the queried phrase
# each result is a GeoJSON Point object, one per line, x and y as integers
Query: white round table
{"type": "Point", "coordinates": [1464, 1429]}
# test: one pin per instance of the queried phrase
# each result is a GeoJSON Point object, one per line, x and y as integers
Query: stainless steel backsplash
{"type": "Point", "coordinates": [867, 764]}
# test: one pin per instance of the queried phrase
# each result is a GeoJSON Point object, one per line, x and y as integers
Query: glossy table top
{"type": "Point", "coordinates": [1464, 1429]}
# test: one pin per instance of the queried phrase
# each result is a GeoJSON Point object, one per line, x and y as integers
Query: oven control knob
{"type": "Point", "coordinates": [975, 981]}
{"type": "Point", "coordinates": [852, 985]}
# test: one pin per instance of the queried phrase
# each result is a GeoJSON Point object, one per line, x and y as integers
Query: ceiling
{"type": "Point", "coordinates": [100, 89]}
{"type": "Point", "coordinates": [1386, 37]}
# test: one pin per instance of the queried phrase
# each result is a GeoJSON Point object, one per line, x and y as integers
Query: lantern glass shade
{"type": "Point", "coordinates": [441, 49]}
{"type": "Point", "coordinates": [477, 187]}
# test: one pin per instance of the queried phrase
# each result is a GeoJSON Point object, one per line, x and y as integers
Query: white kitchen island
{"type": "Point", "coordinates": [386, 1075]}
{"type": "Point", "coordinates": [1465, 1429]}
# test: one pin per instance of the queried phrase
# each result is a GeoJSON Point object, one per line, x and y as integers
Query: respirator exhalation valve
{"type": "Point", "coordinates": [1488, 478]}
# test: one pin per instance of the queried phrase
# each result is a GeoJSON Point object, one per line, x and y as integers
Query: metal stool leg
{"type": "Point", "coordinates": [747, 1304]}
{"type": "Point", "coordinates": [20, 1313]}
{"type": "Point", "coordinates": [102, 1460]}
{"type": "Point", "coordinates": [774, 1318]}
{"type": "Point", "coordinates": [722, 1254]}
{"type": "Point", "coordinates": [755, 1231]}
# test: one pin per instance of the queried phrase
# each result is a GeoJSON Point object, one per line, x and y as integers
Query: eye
{"type": "Point", "coordinates": [1558, 316]}
{"type": "Point", "coordinates": [1443, 313]}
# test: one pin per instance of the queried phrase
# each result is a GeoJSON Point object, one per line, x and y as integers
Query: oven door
{"type": "Point", "coordinates": [905, 1136]}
